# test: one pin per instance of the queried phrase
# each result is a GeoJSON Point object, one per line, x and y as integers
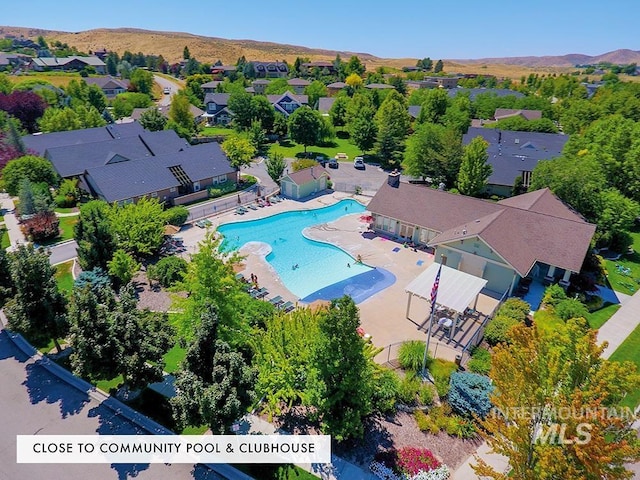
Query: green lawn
{"type": "Point", "coordinates": [66, 228]}
{"type": "Point", "coordinates": [173, 358]}
{"type": "Point", "coordinates": [4, 238]}
{"type": "Point", "coordinates": [107, 385]}
{"type": "Point", "coordinates": [342, 145]}
{"type": "Point", "coordinates": [628, 350]}
{"type": "Point", "coordinates": [599, 317]}
{"type": "Point", "coordinates": [215, 131]}
{"type": "Point", "coordinates": [620, 279]}
{"type": "Point", "coordinates": [64, 277]}
{"type": "Point", "coordinates": [66, 210]}
{"type": "Point", "coordinates": [275, 472]}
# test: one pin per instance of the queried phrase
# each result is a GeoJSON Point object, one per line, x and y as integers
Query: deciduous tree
{"type": "Point", "coordinates": [392, 121]}
{"type": "Point", "coordinates": [557, 413]}
{"type": "Point", "coordinates": [138, 228]}
{"type": "Point", "coordinates": [239, 150]}
{"type": "Point", "coordinates": [35, 169]}
{"type": "Point", "coordinates": [304, 126]}
{"type": "Point", "coordinates": [153, 120]}
{"type": "Point", "coordinates": [275, 165]}
{"type": "Point", "coordinates": [474, 169]}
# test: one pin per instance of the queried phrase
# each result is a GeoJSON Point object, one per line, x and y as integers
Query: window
{"type": "Point", "coordinates": [154, 194]}
{"type": "Point", "coordinates": [196, 186]}
{"type": "Point", "coordinates": [526, 179]}
{"type": "Point", "coordinates": [172, 189]}
{"type": "Point", "coordinates": [222, 179]}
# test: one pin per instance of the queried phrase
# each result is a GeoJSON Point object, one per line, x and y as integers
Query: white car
{"type": "Point", "coordinates": [358, 163]}
{"type": "Point", "coordinates": [167, 90]}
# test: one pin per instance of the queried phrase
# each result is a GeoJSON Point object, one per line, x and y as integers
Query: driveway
{"type": "Point", "coordinates": [174, 86]}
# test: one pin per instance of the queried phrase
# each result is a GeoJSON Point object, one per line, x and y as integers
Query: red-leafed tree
{"type": "Point", "coordinates": [7, 152]}
{"type": "Point", "coordinates": [27, 107]}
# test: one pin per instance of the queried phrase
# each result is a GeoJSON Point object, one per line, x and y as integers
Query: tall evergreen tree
{"type": "Point", "coordinates": [474, 169]}
{"type": "Point", "coordinates": [93, 236]}
{"type": "Point", "coordinates": [393, 122]}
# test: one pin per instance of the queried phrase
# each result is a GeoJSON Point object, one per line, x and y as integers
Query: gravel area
{"type": "Point", "coordinates": [384, 433]}
{"type": "Point", "coordinates": [152, 297]}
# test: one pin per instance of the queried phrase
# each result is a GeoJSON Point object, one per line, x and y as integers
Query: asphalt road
{"type": "Point", "coordinates": [165, 83]}
{"type": "Point", "coordinates": [63, 252]}
{"type": "Point", "coordinates": [34, 401]}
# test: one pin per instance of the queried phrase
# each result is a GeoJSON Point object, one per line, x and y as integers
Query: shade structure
{"type": "Point", "coordinates": [456, 291]}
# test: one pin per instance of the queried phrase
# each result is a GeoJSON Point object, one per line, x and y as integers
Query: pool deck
{"type": "Point", "coordinates": [383, 315]}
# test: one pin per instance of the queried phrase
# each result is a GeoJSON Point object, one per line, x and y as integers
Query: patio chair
{"type": "Point", "coordinates": [286, 306]}
{"type": "Point", "coordinates": [261, 292]}
{"type": "Point", "coordinates": [275, 301]}
{"type": "Point", "coordinates": [252, 206]}
{"type": "Point", "coordinates": [240, 211]}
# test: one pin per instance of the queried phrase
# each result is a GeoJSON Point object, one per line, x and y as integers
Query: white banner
{"type": "Point", "coordinates": [173, 449]}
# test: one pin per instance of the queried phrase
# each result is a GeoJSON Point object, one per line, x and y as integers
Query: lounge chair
{"type": "Point", "coordinates": [240, 211]}
{"type": "Point", "coordinates": [252, 206]}
{"type": "Point", "coordinates": [241, 278]}
{"type": "Point", "coordinates": [275, 301]}
{"type": "Point", "coordinates": [260, 293]}
{"type": "Point", "coordinates": [287, 306]}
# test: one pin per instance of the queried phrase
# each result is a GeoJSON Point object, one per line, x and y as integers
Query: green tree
{"type": "Point", "coordinates": [423, 155]}
{"type": "Point", "coordinates": [280, 125]}
{"type": "Point", "coordinates": [338, 111]}
{"type": "Point", "coordinates": [239, 150]}
{"type": "Point", "coordinates": [138, 228]}
{"type": "Point", "coordinates": [304, 126]}
{"type": "Point", "coordinates": [262, 111]}
{"type": "Point", "coordinates": [425, 64]}
{"type": "Point", "coordinates": [434, 106]}
{"type": "Point", "coordinates": [392, 121]}
{"type": "Point", "coordinates": [96, 98]}
{"type": "Point", "coordinates": [153, 120]}
{"type": "Point", "coordinates": [360, 122]}
{"type": "Point", "coordinates": [215, 385]}
{"type": "Point", "coordinates": [35, 169]}
{"type": "Point", "coordinates": [7, 288]}
{"type": "Point", "coordinates": [439, 67]}
{"type": "Point", "coordinates": [537, 377]}
{"type": "Point", "coordinates": [37, 309]}
{"type": "Point", "coordinates": [474, 169]}
{"type": "Point", "coordinates": [186, 55]}
{"type": "Point", "coordinates": [275, 164]}
{"type": "Point", "coordinates": [240, 103]}
{"type": "Point", "coordinates": [341, 388]}
{"type": "Point", "coordinates": [354, 65]}
{"type": "Point", "coordinates": [257, 136]}
{"type": "Point", "coordinates": [93, 235]}
{"type": "Point", "coordinates": [180, 117]}
{"type": "Point", "coordinates": [142, 80]}
{"type": "Point", "coordinates": [168, 271]}
{"type": "Point", "coordinates": [277, 86]}
{"type": "Point", "coordinates": [122, 267]}
{"type": "Point", "coordinates": [315, 90]}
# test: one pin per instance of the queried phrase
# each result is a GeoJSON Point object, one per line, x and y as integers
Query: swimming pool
{"type": "Point", "coordinates": [305, 266]}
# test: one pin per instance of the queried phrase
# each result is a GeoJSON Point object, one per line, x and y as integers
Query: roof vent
{"type": "Point", "coordinates": [517, 140]}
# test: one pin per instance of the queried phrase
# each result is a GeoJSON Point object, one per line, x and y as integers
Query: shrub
{"type": "Point", "coordinates": [515, 308]}
{"type": "Point", "coordinates": [69, 192]}
{"type": "Point", "coordinates": [441, 371]}
{"type": "Point", "coordinates": [411, 355]}
{"type": "Point", "coordinates": [220, 190]}
{"type": "Point", "coordinates": [176, 216]}
{"type": "Point", "coordinates": [553, 295]}
{"type": "Point", "coordinates": [469, 394]}
{"type": "Point", "coordinates": [42, 226]}
{"type": "Point", "coordinates": [168, 271]}
{"type": "Point", "coordinates": [63, 201]}
{"type": "Point", "coordinates": [571, 308]}
{"type": "Point", "coordinates": [412, 460]}
{"type": "Point", "coordinates": [385, 390]}
{"type": "Point", "coordinates": [408, 389]}
{"type": "Point", "coordinates": [96, 279]}
{"type": "Point", "coordinates": [425, 394]}
{"type": "Point", "coordinates": [480, 361]}
{"type": "Point", "coordinates": [498, 328]}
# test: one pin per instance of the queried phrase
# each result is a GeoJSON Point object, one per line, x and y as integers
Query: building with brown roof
{"type": "Point", "coordinates": [532, 235]}
{"type": "Point", "coordinates": [304, 183]}
{"type": "Point", "coordinates": [502, 113]}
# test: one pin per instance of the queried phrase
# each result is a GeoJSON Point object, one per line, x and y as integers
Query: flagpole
{"type": "Point", "coordinates": [433, 310]}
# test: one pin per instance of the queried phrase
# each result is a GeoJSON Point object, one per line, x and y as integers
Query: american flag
{"type": "Point", "coordinates": [434, 290]}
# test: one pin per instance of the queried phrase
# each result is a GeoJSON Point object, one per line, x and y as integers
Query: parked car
{"type": "Point", "coordinates": [167, 90]}
{"type": "Point", "coordinates": [333, 163]}
{"type": "Point", "coordinates": [342, 156]}
{"type": "Point", "coordinates": [322, 160]}
{"type": "Point", "coordinates": [358, 163]}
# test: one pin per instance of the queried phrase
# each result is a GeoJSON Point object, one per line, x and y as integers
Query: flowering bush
{"type": "Point", "coordinates": [386, 473]}
{"type": "Point", "coordinates": [440, 473]}
{"type": "Point", "coordinates": [380, 470]}
{"type": "Point", "coordinates": [412, 460]}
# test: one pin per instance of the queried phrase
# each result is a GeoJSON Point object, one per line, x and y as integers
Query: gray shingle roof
{"type": "Point", "coordinates": [511, 153]}
{"type": "Point", "coordinates": [40, 142]}
{"type": "Point", "coordinates": [325, 104]}
{"type": "Point", "coordinates": [540, 227]}
{"type": "Point", "coordinates": [107, 82]}
{"type": "Point", "coordinates": [307, 175]}
{"type": "Point", "coordinates": [217, 98]}
{"type": "Point", "coordinates": [139, 177]}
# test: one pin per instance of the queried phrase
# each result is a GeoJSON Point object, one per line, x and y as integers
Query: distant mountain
{"type": "Point", "coordinates": [622, 56]}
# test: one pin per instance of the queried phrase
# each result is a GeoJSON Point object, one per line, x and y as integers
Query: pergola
{"type": "Point", "coordinates": [456, 291]}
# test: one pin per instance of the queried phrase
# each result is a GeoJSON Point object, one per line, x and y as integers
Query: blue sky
{"type": "Point", "coordinates": [407, 28]}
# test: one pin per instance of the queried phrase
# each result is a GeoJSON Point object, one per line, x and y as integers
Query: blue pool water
{"type": "Point", "coordinates": [320, 265]}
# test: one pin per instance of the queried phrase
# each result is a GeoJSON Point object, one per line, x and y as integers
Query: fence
{"type": "Point", "coordinates": [389, 355]}
{"type": "Point", "coordinates": [227, 203]}
{"type": "Point", "coordinates": [364, 188]}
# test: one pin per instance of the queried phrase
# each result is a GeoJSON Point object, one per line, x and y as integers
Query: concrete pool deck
{"type": "Point", "coordinates": [383, 315]}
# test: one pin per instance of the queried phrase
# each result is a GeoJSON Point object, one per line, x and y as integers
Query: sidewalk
{"type": "Point", "coordinates": [10, 221]}
{"type": "Point", "coordinates": [337, 469]}
{"type": "Point", "coordinates": [465, 472]}
{"type": "Point", "coordinates": [620, 325]}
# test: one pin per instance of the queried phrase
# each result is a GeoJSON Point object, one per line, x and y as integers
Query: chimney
{"type": "Point", "coordinates": [394, 179]}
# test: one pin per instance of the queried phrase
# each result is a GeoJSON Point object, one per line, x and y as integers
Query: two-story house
{"type": "Point", "coordinates": [288, 102]}
{"type": "Point", "coordinates": [216, 108]}
{"type": "Point", "coordinates": [270, 69]}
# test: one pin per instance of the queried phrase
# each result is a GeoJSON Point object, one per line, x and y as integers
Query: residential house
{"type": "Point", "coordinates": [474, 92]}
{"type": "Point", "coordinates": [321, 65]}
{"type": "Point", "coordinates": [515, 154]}
{"type": "Point", "coordinates": [417, 84]}
{"type": "Point", "coordinates": [220, 71]}
{"type": "Point", "coordinates": [325, 104]}
{"type": "Point", "coordinates": [216, 108]}
{"type": "Point", "coordinates": [378, 86]}
{"type": "Point", "coordinates": [298, 85]}
{"type": "Point", "coordinates": [304, 183]}
{"type": "Point", "coordinates": [546, 240]}
{"type": "Point", "coordinates": [444, 82]}
{"type": "Point", "coordinates": [68, 63]}
{"type": "Point", "coordinates": [288, 102]}
{"type": "Point", "coordinates": [335, 87]}
{"type": "Point", "coordinates": [123, 163]}
{"type": "Point", "coordinates": [109, 85]}
{"type": "Point", "coordinates": [259, 85]}
{"type": "Point", "coordinates": [502, 113]}
{"type": "Point", "coordinates": [270, 69]}
{"type": "Point", "coordinates": [210, 87]}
